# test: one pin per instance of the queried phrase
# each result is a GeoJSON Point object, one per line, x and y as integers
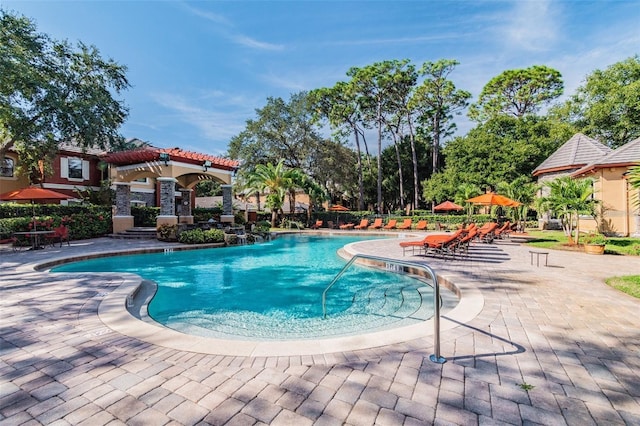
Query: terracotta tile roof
{"type": "Point", "coordinates": [624, 156]}
{"type": "Point", "coordinates": [146, 154]}
{"type": "Point", "coordinates": [575, 153]}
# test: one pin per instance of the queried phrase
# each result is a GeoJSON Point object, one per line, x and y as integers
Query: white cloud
{"type": "Point", "coordinates": [235, 37]}
{"type": "Point", "coordinates": [216, 125]}
{"type": "Point", "coordinates": [531, 25]}
{"type": "Point", "coordinates": [255, 44]}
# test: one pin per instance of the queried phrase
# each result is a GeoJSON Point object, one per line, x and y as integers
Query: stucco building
{"type": "Point", "coordinates": [582, 157]}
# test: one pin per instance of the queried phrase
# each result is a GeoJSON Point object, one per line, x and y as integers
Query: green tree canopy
{"type": "Point", "coordinates": [607, 106]}
{"type": "Point", "coordinates": [517, 93]}
{"type": "Point", "coordinates": [50, 90]}
{"type": "Point", "coordinates": [281, 131]}
{"type": "Point", "coordinates": [502, 149]}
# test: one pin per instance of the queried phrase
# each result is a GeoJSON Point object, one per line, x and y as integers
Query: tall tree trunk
{"type": "Point", "coordinates": [400, 177]}
{"type": "Point", "coordinates": [379, 207]}
{"type": "Point", "coordinates": [414, 160]}
{"type": "Point", "coordinates": [436, 142]}
{"type": "Point", "coordinates": [360, 176]}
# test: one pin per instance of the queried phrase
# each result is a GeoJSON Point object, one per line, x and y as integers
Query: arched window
{"type": "Point", "coordinates": [6, 167]}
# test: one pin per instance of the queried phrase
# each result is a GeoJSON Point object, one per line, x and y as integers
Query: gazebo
{"type": "Point", "coordinates": [160, 171]}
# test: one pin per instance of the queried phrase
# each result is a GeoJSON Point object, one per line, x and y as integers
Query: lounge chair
{"type": "Point", "coordinates": [444, 244]}
{"type": "Point", "coordinates": [317, 225]}
{"type": "Point", "coordinates": [377, 224]}
{"type": "Point", "coordinates": [486, 232]}
{"type": "Point", "coordinates": [331, 225]}
{"type": "Point", "coordinates": [346, 226]}
{"type": "Point", "coordinates": [406, 224]}
{"type": "Point", "coordinates": [504, 231]}
{"type": "Point", "coordinates": [462, 245]}
{"type": "Point", "coordinates": [391, 225]}
{"type": "Point", "coordinates": [439, 243]}
{"type": "Point", "coordinates": [422, 225]}
{"type": "Point", "coordinates": [364, 224]}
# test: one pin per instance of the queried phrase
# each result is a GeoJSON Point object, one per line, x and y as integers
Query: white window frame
{"type": "Point", "coordinates": [64, 169]}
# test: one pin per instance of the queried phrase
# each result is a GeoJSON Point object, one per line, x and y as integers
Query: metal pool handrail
{"type": "Point", "coordinates": [435, 357]}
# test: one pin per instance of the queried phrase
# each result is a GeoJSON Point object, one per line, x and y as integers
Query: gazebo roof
{"type": "Point", "coordinates": [575, 153]}
{"type": "Point", "coordinates": [624, 156]}
{"type": "Point", "coordinates": [146, 154]}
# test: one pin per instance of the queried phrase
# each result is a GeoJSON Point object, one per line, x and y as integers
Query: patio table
{"type": "Point", "coordinates": [35, 237]}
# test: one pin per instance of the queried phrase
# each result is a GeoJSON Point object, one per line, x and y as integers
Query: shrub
{"type": "Point", "coordinates": [592, 238]}
{"type": "Point", "coordinates": [262, 226]}
{"type": "Point", "coordinates": [194, 236]}
{"type": "Point", "coordinates": [167, 232]}
{"type": "Point", "coordinates": [198, 236]}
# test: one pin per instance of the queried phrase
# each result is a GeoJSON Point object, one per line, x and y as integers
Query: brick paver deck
{"type": "Point", "coordinates": [551, 345]}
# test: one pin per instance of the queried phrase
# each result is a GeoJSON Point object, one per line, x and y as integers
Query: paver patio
{"type": "Point", "coordinates": [551, 345]}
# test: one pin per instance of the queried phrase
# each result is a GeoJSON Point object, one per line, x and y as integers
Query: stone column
{"type": "Point", "coordinates": [167, 202]}
{"type": "Point", "coordinates": [185, 209]}
{"type": "Point", "coordinates": [227, 205]}
{"type": "Point", "coordinates": [122, 218]}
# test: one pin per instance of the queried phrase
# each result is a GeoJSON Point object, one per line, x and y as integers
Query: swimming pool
{"type": "Point", "coordinates": [271, 291]}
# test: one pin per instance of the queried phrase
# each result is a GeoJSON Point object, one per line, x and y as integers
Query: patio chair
{"type": "Point", "coordinates": [377, 224]}
{"type": "Point", "coordinates": [317, 225]}
{"type": "Point", "coordinates": [391, 225]}
{"type": "Point", "coordinates": [60, 234]}
{"type": "Point", "coordinates": [346, 226]}
{"type": "Point", "coordinates": [422, 225]}
{"type": "Point", "coordinates": [406, 224]}
{"type": "Point", "coordinates": [364, 224]}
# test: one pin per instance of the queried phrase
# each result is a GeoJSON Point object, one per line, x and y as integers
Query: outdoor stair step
{"type": "Point", "coordinates": [139, 233]}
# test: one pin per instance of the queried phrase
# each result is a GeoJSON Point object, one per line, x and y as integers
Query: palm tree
{"type": "Point", "coordinates": [274, 181]}
{"type": "Point", "coordinates": [568, 199]}
{"type": "Point", "coordinates": [520, 190]}
{"type": "Point", "coordinates": [464, 192]}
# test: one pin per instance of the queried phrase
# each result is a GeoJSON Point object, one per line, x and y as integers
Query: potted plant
{"type": "Point", "coordinates": [594, 243]}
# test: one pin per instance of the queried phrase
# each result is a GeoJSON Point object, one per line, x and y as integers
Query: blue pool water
{"type": "Point", "coordinates": [270, 291]}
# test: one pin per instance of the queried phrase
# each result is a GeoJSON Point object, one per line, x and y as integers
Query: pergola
{"type": "Point", "coordinates": [167, 166]}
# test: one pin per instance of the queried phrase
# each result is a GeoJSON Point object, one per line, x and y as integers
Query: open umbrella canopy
{"type": "Point", "coordinates": [447, 206]}
{"type": "Point", "coordinates": [338, 208]}
{"type": "Point", "coordinates": [493, 199]}
{"type": "Point", "coordinates": [33, 193]}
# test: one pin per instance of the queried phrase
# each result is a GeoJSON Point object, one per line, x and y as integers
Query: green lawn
{"type": "Point", "coordinates": [557, 240]}
{"type": "Point", "coordinates": [629, 284]}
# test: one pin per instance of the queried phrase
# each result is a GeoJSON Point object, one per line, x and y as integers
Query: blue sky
{"type": "Point", "coordinates": [199, 69]}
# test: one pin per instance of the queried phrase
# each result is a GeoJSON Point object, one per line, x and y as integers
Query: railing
{"type": "Point", "coordinates": [435, 357]}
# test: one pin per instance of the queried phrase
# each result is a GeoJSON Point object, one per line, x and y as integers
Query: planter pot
{"type": "Point", "coordinates": [594, 248]}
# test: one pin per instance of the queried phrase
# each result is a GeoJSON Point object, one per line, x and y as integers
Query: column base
{"type": "Point", "coordinates": [166, 220]}
{"type": "Point", "coordinates": [226, 218]}
{"type": "Point", "coordinates": [121, 223]}
{"type": "Point", "coordinates": [186, 219]}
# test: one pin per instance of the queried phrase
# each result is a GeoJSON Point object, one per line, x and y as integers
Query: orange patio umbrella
{"type": "Point", "coordinates": [338, 208]}
{"type": "Point", "coordinates": [447, 206]}
{"type": "Point", "coordinates": [33, 193]}
{"type": "Point", "coordinates": [493, 199]}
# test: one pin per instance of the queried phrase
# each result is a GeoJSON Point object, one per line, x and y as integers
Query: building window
{"type": "Point", "coordinates": [75, 168]}
{"type": "Point", "coordinates": [6, 167]}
